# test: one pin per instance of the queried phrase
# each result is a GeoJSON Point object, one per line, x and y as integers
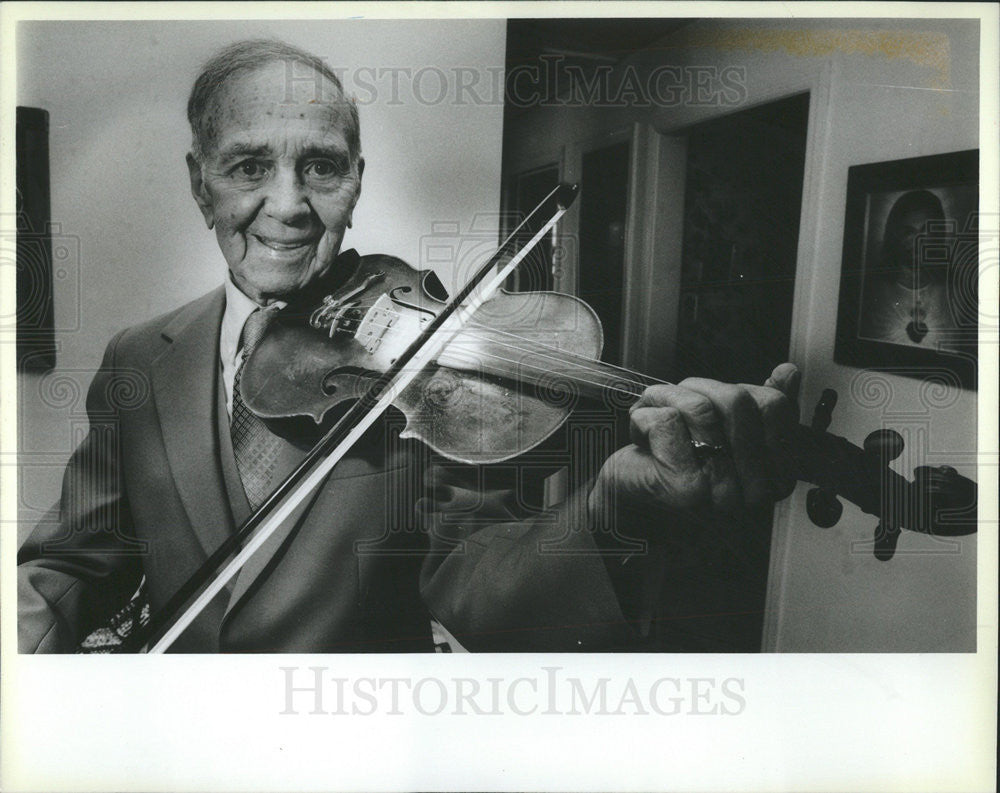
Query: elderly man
{"type": "Point", "coordinates": [276, 170]}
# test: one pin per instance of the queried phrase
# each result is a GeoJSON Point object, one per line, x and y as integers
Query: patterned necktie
{"type": "Point", "coordinates": [255, 448]}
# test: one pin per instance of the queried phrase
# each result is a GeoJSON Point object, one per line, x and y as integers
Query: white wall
{"type": "Point", "coordinates": [116, 93]}
{"type": "Point", "coordinates": [834, 596]}
{"type": "Point", "coordinates": [881, 90]}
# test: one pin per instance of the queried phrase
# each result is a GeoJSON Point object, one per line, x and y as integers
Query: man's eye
{"type": "Point", "coordinates": [324, 169]}
{"type": "Point", "coordinates": [251, 169]}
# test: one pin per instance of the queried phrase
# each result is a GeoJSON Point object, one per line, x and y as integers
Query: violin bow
{"type": "Point", "coordinates": [191, 598]}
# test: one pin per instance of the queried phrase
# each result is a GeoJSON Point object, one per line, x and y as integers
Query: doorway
{"type": "Point", "coordinates": [603, 214]}
{"type": "Point", "coordinates": [530, 188]}
{"type": "Point", "coordinates": [740, 218]}
{"type": "Point", "coordinates": [743, 198]}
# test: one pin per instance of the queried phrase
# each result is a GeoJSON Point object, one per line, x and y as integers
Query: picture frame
{"type": "Point", "coordinates": [36, 345]}
{"type": "Point", "coordinates": [909, 279]}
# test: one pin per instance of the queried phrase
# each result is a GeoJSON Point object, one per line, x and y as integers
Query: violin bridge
{"type": "Point", "coordinates": [376, 322]}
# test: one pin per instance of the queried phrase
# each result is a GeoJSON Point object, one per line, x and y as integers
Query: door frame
{"type": "Point", "coordinates": [666, 202]}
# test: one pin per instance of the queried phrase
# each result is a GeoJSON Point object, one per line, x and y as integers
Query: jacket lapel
{"type": "Point", "coordinates": [289, 456]}
{"type": "Point", "coordinates": [185, 379]}
{"type": "Point", "coordinates": [354, 471]}
{"type": "Point", "coordinates": [260, 560]}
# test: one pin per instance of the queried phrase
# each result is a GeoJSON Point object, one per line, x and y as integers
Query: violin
{"type": "Point", "coordinates": [513, 375]}
{"type": "Point", "coordinates": [487, 375]}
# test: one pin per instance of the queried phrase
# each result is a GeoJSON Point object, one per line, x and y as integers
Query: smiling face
{"type": "Point", "coordinates": [276, 178]}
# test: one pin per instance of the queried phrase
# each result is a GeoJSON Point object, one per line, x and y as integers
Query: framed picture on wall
{"type": "Point", "coordinates": [909, 280]}
{"type": "Point", "coordinates": [36, 349]}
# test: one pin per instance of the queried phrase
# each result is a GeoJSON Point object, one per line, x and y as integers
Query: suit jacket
{"type": "Point", "coordinates": [391, 538]}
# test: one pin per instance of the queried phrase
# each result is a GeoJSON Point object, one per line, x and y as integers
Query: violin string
{"type": "Point", "coordinates": [628, 376]}
{"type": "Point", "coordinates": [602, 386]}
{"type": "Point", "coordinates": [560, 354]}
{"type": "Point", "coordinates": [563, 356]}
{"type": "Point", "coordinates": [585, 366]}
{"type": "Point", "coordinates": [584, 363]}
{"type": "Point", "coordinates": [560, 357]}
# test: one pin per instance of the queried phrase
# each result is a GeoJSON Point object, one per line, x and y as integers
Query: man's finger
{"type": "Point", "coordinates": [662, 431]}
{"type": "Point", "coordinates": [787, 378]}
{"type": "Point", "coordinates": [703, 421]}
{"type": "Point", "coordinates": [744, 429]}
{"type": "Point", "coordinates": [778, 412]}
{"type": "Point", "coordinates": [780, 416]}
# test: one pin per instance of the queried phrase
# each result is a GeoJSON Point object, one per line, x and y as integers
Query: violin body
{"type": "Point", "coordinates": [496, 391]}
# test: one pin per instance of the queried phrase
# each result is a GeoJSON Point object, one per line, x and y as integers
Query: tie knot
{"type": "Point", "coordinates": [255, 327]}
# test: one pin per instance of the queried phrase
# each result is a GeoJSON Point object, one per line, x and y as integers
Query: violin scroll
{"type": "Point", "coordinates": [938, 501]}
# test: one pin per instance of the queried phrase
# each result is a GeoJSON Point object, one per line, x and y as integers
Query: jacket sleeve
{"type": "Point", "coordinates": [81, 564]}
{"type": "Point", "coordinates": [503, 574]}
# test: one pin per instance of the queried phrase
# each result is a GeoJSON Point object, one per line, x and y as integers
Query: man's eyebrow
{"type": "Point", "coordinates": [247, 149]}
{"type": "Point", "coordinates": [243, 150]}
{"type": "Point", "coordinates": [326, 150]}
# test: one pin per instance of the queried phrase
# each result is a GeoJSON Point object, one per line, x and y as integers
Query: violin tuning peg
{"type": "Point", "coordinates": [823, 507]}
{"type": "Point", "coordinates": [884, 444]}
{"type": "Point", "coordinates": [886, 537]}
{"type": "Point", "coordinates": [823, 414]}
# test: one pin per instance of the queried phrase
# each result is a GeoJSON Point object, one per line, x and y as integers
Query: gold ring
{"type": "Point", "coordinates": [704, 450]}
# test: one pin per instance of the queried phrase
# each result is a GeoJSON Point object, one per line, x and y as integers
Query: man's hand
{"type": "Point", "coordinates": [704, 448]}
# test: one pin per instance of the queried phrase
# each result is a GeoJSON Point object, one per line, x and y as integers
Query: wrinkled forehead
{"type": "Point", "coordinates": [287, 95]}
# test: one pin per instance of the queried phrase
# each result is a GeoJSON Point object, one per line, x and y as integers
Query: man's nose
{"type": "Point", "coordinates": [285, 197]}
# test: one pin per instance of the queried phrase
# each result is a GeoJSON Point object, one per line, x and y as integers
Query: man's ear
{"type": "Point", "coordinates": [357, 191]}
{"type": "Point", "coordinates": [199, 191]}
